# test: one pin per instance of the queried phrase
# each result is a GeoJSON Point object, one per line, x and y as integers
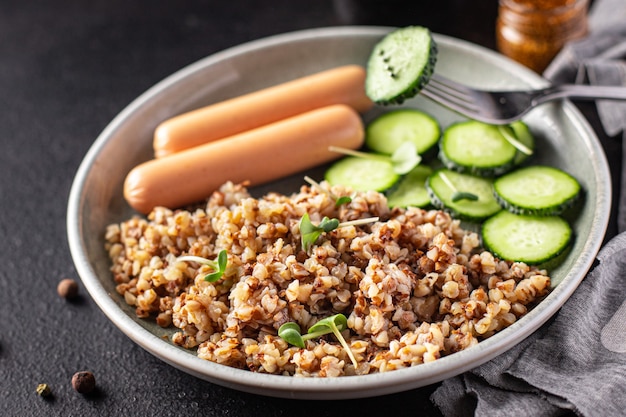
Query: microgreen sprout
{"type": "Point", "coordinates": [339, 200]}
{"type": "Point", "coordinates": [311, 232]}
{"type": "Point", "coordinates": [403, 160]}
{"type": "Point", "coordinates": [456, 194]}
{"type": "Point", "coordinates": [218, 266]}
{"type": "Point", "coordinates": [345, 199]}
{"type": "Point", "coordinates": [290, 332]}
{"type": "Point", "coordinates": [463, 195]}
{"type": "Point", "coordinates": [509, 135]}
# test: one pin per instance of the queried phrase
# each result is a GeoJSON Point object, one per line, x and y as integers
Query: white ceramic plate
{"type": "Point", "coordinates": [564, 140]}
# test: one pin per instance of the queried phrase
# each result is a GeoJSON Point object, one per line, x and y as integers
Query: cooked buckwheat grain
{"type": "Point", "coordinates": [414, 285]}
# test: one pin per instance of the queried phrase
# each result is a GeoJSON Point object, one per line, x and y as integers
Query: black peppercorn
{"type": "Point", "coordinates": [83, 382]}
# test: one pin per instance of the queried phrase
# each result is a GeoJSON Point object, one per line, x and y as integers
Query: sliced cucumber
{"type": "Point", "coordinates": [362, 174]}
{"type": "Point", "coordinates": [411, 189]}
{"type": "Point", "coordinates": [537, 190]}
{"type": "Point", "coordinates": [400, 65]}
{"type": "Point", "coordinates": [387, 132]}
{"type": "Point", "coordinates": [526, 138]}
{"type": "Point", "coordinates": [477, 200]}
{"type": "Point", "coordinates": [530, 239]}
{"type": "Point", "coordinates": [476, 148]}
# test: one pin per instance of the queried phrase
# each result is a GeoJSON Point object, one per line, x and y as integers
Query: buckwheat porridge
{"type": "Point", "coordinates": [413, 285]}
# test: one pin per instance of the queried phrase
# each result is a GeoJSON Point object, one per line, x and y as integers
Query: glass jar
{"type": "Point", "coordinates": [532, 32]}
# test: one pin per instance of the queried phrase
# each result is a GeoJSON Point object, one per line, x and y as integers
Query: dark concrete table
{"type": "Point", "coordinates": [66, 69]}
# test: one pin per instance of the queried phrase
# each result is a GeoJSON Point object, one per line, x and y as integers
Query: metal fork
{"type": "Point", "coordinates": [502, 107]}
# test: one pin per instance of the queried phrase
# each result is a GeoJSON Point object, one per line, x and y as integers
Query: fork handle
{"type": "Point", "coordinates": [583, 92]}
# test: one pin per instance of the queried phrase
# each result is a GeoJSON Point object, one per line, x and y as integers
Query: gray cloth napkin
{"type": "Point", "coordinates": [575, 363]}
{"type": "Point", "coordinates": [600, 59]}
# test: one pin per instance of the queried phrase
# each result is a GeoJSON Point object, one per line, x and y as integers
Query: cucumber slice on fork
{"type": "Point", "coordinates": [400, 65]}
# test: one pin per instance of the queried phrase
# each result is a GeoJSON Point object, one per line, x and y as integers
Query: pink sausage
{"type": "Point", "coordinates": [341, 85]}
{"type": "Point", "coordinates": [259, 155]}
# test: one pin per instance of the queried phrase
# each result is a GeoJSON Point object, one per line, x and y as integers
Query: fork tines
{"type": "Point", "coordinates": [450, 94]}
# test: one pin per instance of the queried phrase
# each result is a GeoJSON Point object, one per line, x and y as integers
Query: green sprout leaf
{"type": "Point", "coordinates": [310, 233]}
{"type": "Point", "coordinates": [403, 160]}
{"type": "Point", "coordinates": [338, 200]}
{"type": "Point", "coordinates": [509, 134]}
{"type": "Point", "coordinates": [290, 332]}
{"type": "Point", "coordinates": [462, 195]}
{"type": "Point", "coordinates": [456, 194]}
{"type": "Point", "coordinates": [219, 266]}
{"type": "Point", "coordinates": [343, 200]}
{"type": "Point", "coordinates": [325, 326]}
{"type": "Point", "coordinates": [328, 225]}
